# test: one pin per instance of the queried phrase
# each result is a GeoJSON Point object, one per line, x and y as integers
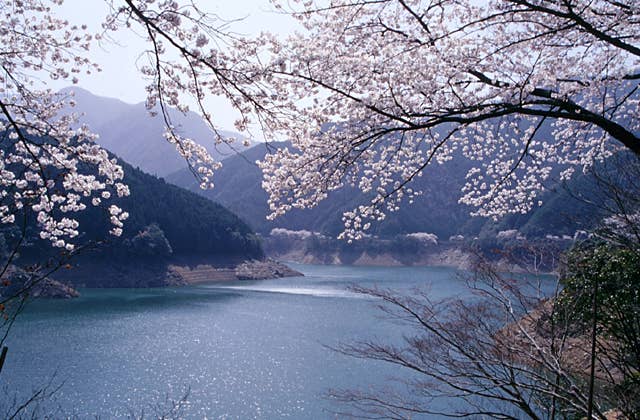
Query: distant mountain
{"type": "Point", "coordinates": [238, 187]}
{"type": "Point", "coordinates": [128, 131]}
{"type": "Point", "coordinates": [131, 133]}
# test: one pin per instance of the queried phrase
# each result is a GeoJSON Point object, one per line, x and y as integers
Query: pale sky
{"type": "Point", "coordinates": [119, 77]}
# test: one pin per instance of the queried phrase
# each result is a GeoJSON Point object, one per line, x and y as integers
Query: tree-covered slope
{"type": "Point", "coordinates": [192, 225]}
{"type": "Point", "coordinates": [238, 187]}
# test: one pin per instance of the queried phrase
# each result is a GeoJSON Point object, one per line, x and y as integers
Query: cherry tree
{"type": "Point", "coordinates": [50, 164]}
{"type": "Point", "coordinates": [376, 90]}
{"type": "Point", "coordinates": [42, 152]}
{"type": "Point", "coordinates": [370, 93]}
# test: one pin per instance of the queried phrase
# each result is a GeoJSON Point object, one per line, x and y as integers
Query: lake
{"type": "Point", "coordinates": [240, 350]}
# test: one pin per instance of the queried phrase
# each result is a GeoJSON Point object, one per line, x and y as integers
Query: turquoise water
{"type": "Point", "coordinates": [240, 350]}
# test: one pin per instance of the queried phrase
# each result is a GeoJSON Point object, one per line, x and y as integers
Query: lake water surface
{"type": "Point", "coordinates": [241, 350]}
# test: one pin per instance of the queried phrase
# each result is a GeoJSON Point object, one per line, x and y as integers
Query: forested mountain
{"type": "Point", "coordinates": [238, 187]}
{"type": "Point", "coordinates": [131, 133]}
{"type": "Point", "coordinates": [238, 182]}
{"type": "Point", "coordinates": [164, 220]}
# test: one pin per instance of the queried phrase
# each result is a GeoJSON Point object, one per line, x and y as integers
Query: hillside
{"type": "Point", "coordinates": [115, 121]}
{"type": "Point", "coordinates": [168, 229]}
{"type": "Point", "coordinates": [238, 182]}
{"type": "Point", "coordinates": [436, 211]}
{"type": "Point", "coordinates": [191, 223]}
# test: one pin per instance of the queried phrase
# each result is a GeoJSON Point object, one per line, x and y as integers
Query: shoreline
{"type": "Point", "coordinates": [151, 274]}
{"type": "Point", "coordinates": [248, 270]}
{"type": "Point", "coordinates": [440, 256]}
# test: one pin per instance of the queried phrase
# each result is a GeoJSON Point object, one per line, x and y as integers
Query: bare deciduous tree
{"type": "Point", "coordinates": [507, 351]}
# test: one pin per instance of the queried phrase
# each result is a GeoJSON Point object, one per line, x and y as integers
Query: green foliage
{"type": "Point", "coordinates": [151, 242]}
{"type": "Point", "coordinates": [612, 275]}
{"type": "Point", "coordinates": [615, 274]}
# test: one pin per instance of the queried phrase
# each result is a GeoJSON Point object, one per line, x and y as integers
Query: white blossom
{"type": "Point", "coordinates": [424, 237]}
{"type": "Point", "coordinates": [375, 92]}
{"type": "Point", "coordinates": [369, 94]}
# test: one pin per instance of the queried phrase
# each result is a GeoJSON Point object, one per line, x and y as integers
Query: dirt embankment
{"type": "Point", "coordinates": [152, 273]}
{"type": "Point", "coordinates": [446, 256]}
{"type": "Point", "coordinates": [248, 270]}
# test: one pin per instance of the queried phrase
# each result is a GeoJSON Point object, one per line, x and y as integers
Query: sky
{"type": "Point", "coordinates": [119, 77]}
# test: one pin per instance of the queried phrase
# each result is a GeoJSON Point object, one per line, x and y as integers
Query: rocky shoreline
{"type": "Point", "coordinates": [453, 257]}
{"type": "Point", "coordinates": [17, 281]}
{"type": "Point", "coordinates": [144, 274]}
{"type": "Point", "coordinates": [248, 270]}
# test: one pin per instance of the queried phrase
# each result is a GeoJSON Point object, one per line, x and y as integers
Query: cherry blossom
{"type": "Point", "coordinates": [48, 164]}
{"type": "Point", "coordinates": [370, 94]}
{"type": "Point", "coordinates": [377, 91]}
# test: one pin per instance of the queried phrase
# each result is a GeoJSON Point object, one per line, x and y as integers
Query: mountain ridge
{"type": "Point", "coordinates": [114, 121]}
{"type": "Point", "coordinates": [438, 211]}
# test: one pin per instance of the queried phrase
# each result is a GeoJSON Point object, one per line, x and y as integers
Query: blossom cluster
{"type": "Point", "coordinates": [375, 92]}
{"type": "Point", "coordinates": [185, 61]}
{"type": "Point", "coordinates": [49, 165]}
{"type": "Point", "coordinates": [370, 95]}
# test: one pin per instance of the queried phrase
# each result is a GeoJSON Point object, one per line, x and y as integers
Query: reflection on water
{"type": "Point", "coordinates": [244, 349]}
{"type": "Point", "coordinates": [318, 292]}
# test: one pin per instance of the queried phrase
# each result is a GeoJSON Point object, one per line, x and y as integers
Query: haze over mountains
{"type": "Point", "coordinates": [128, 131]}
{"type": "Point", "coordinates": [238, 187]}
{"type": "Point", "coordinates": [131, 133]}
